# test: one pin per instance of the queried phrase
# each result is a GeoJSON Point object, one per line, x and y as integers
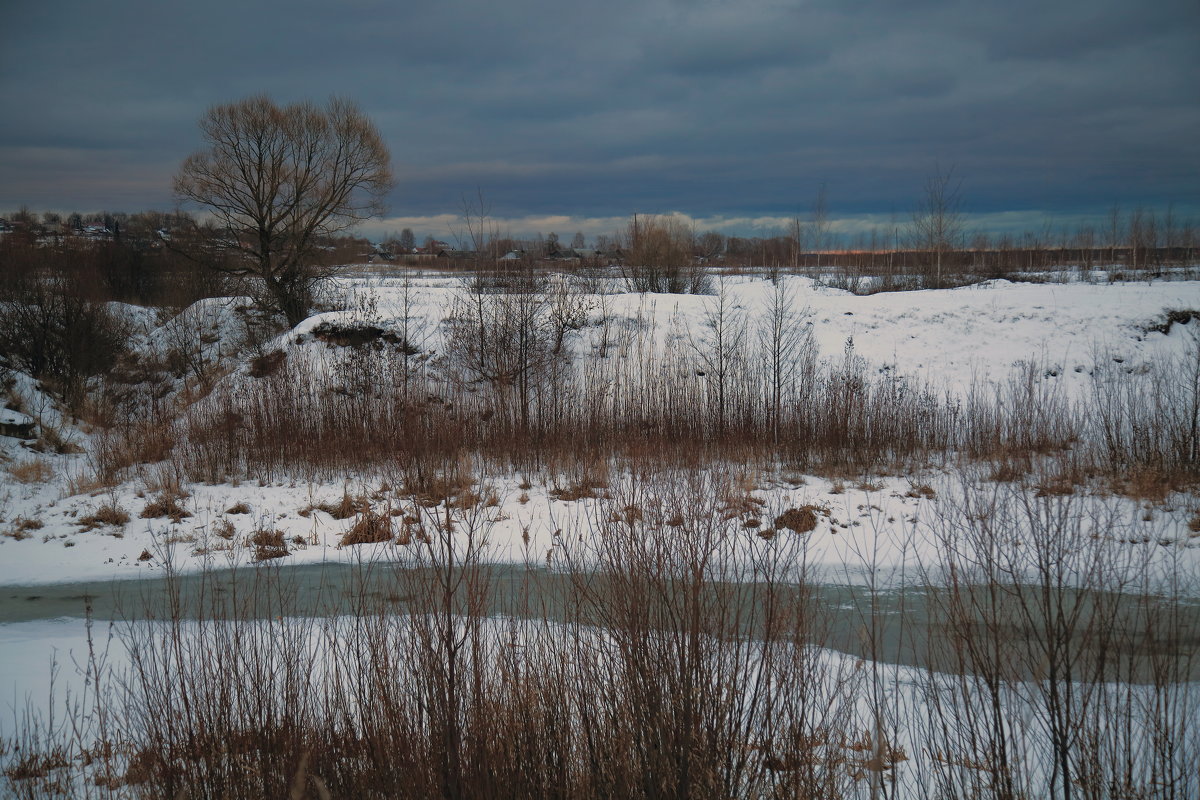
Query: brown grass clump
{"type": "Point", "coordinates": [630, 515]}
{"type": "Point", "coordinates": [1146, 484]}
{"type": "Point", "coordinates": [105, 515]}
{"type": "Point", "coordinates": [32, 470]}
{"type": "Point", "coordinates": [36, 765]}
{"type": "Point", "coordinates": [798, 520]}
{"type": "Point", "coordinates": [268, 544]}
{"type": "Point", "coordinates": [21, 528]}
{"type": "Point", "coordinates": [578, 491]}
{"type": "Point", "coordinates": [738, 502]}
{"type": "Point", "coordinates": [143, 766]}
{"type": "Point", "coordinates": [346, 508]}
{"type": "Point", "coordinates": [239, 508]}
{"type": "Point", "coordinates": [370, 527]}
{"type": "Point", "coordinates": [443, 488]}
{"type": "Point", "coordinates": [470, 498]}
{"type": "Point", "coordinates": [224, 529]}
{"type": "Point", "coordinates": [165, 505]}
{"type": "Point", "coordinates": [1007, 472]}
{"type": "Point", "coordinates": [921, 490]}
{"type": "Point", "coordinates": [1055, 487]}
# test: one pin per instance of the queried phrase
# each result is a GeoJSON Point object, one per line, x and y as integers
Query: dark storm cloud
{"type": "Point", "coordinates": [705, 107]}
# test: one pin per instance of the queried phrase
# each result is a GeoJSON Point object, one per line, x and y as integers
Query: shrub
{"type": "Point", "coordinates": [59, 335]}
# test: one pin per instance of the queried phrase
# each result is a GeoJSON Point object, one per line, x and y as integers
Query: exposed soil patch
{"type": "Point", "coordinates": [343, 335]}
{"type": "Point", "coordinates": [268, 364]}
{"type": "Point", "coordinates": [1172, 317]}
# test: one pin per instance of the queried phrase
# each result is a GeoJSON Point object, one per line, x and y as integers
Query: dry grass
{"type": "Point", "coordinates": [267, 364]}
{"type": "Point", "coordinates": [345, 508]}
{"type": "Point", "coordinates": [1147, 484]}
{"type": "Point", "coordinates": [166, 504]}
{"type": "Point", "coordinates": [224, 529]}
{"type": "Point", "coordinates": [108, 514]}
{"type": "Point", "coordinates": [429, 423]}
{"type": "Point", "coordinates": [799, 520]}
{"type": "Point", "coordinates": [369, 528]}
{"type": "Point", "coordinates": [36, 765]}
{"type": "Point", "coordinates": [32, 470]}
{"type": "Point", "coordinates": [712, 668]}
{"type": "Point", "coordinates": [579, 491]}
{"type": "Point", "coordinates": [268, 544]}
{"type": "Point", "coordinates": [22, 526]}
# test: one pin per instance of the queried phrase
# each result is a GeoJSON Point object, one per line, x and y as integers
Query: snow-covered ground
{"type": "Point", "coordinates": [952, 338]}
{"type": "Point", "coordinates": [879, 531]}
{"type": "Point", "coordinates": [863, 532]}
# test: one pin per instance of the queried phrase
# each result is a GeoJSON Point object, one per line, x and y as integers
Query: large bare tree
{"type": "Point", "coordinates": [277, 180]}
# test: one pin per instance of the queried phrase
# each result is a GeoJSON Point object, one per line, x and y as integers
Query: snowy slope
{"type": "Point", "coordinates": [950, 338]}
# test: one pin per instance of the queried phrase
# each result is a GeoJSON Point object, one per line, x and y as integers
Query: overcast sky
{"type": "Point", "coordinates": [573, 115]}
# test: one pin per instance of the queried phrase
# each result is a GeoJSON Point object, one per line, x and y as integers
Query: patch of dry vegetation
{"type": "Point", "coordinates": [32, 470]}
{"type": "Point", "coordinates": [22, 526]}
{"type": "Point", "coordinates": [108, 514]}
{"type": "Point", "coordinates": [799, 520]}
{"type": "Point", "coordinates": [368, 528]}
{"type": "Point", "coordinates": [268, 544]}
{"type": "Point", "coordinates": [166, 504]}
{"type": "Point", "coordinates": [347, 507]}
{"type": "Point", "coordinates": [713, 667]}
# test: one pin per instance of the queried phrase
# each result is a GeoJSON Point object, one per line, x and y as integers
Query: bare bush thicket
{"type": "Point", "coordinates": [660, 257]}
{"type": "Point", "coordinates": [60, 334]}
{"type": "Point", "coordinates": [745, 385]}
{"type": "Point", "coordinates": [1065, 668]}
{"type": "Point", "coordinates": [670, 652]}
{"type": "Point", "coordinates": [709, 691]}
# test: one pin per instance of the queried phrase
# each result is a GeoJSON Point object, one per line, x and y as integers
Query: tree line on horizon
{"type": "Point", "coordinates": [282, 190]}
